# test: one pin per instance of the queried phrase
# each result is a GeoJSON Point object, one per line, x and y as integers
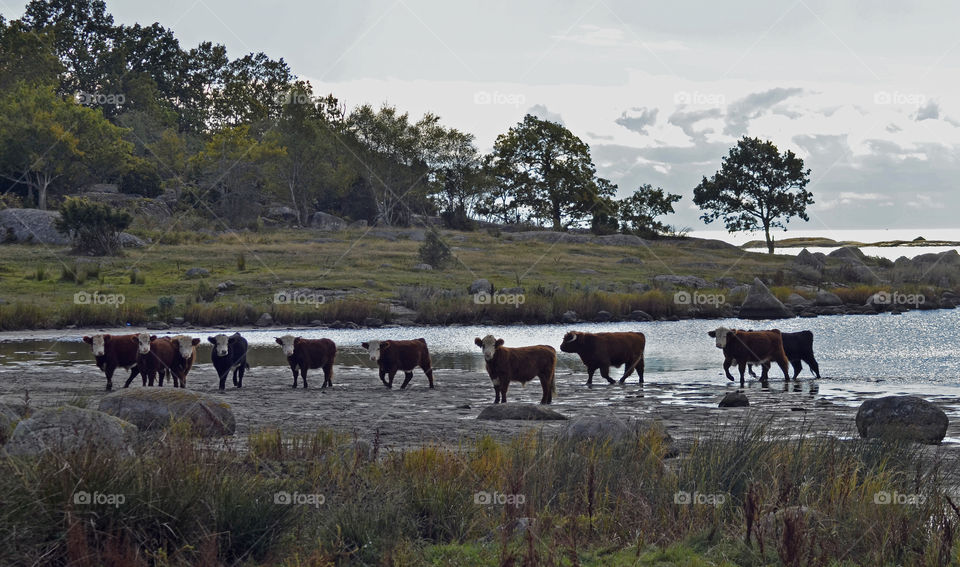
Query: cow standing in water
{"type": "Point", "coordinates": [155, 355]}
{"type": "Point", "coordinates": [304, 354]}
{"type": "Point", "coordinates": [115, 351]}
{"type": "Point", "coordinates": [520, 364]}
{"type": "Point", "coordinates": [229, 354]}
{"type": "Point", "coordinates": [744, 347]}
{"type": "Point", "coordinates": [600, 351]}
{"type": "Point", "coordinates": [392, 356]}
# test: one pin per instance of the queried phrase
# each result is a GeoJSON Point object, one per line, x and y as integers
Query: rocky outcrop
{"type": "Point", "coordinates": [760, 303]}
{"type": "Point", "coordinates": [324, 221]}
{"type": "Point", "coordinates": [31, 226]}
{"type": "Point", "coordinates": [902, 417]}
{"type": "Point", "coordinates": [156, 408]}
{"type": "Point", "coordinates": [69, 429]}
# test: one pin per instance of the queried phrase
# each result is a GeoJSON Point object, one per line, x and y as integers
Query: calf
{"type": "Point", "coordinates": [155, 356]}
{"type": "Point", "coordinates": [186, 348]}
{"type": "Point", "coordinates": [745, 347]}
{"type": "Point", "coordinates": [520, 364]}
{"type": "Point", "coordinates": [229, 353]}
{"type": "Point", "coordinates": [303, 354]}
{"type": "Point", "coordinates": [400, 355]}
{"type": "Point", "coordinates": [603, 350]}
{"type": "Point", "coordinates": [112, 352]}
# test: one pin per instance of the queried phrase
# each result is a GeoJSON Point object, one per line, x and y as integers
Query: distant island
{"type": "Point", "coordinates": [820, 242]}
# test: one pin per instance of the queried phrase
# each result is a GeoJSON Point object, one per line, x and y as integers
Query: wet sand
{"type": "Point", "coordinates": [360, 405]}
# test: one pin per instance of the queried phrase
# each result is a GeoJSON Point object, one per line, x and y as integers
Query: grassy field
{"type": "Point", "coordinates": [352, 275]}
{"type": "Point", "coordinates": [746, 495]}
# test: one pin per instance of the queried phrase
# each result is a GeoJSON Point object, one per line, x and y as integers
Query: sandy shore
{"type": "Point", "coordinates": [359, 404]}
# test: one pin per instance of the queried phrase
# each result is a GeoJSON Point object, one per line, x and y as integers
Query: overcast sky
{"type": "Point", "coordinates": [867, 92]}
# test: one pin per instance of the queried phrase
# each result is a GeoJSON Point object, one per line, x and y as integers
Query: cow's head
{"type": "Point", "coordinates": [720, 334]}
{"type": "Point", "coordinates": [221, 344]}
{"type": "Point", "coordinates": [97, 344]}
{"type": "Point", "coordinates": [287, 342]}
{"type": "Point", "coordinates": [570, 343]}
{"type": "Point", "coordinates": [489, 345]}
{"type": "Point", "coordinates": [185, 345]}
{"type": "Point", "coordinates": [373, 349]}
{"type": "Point", "coordinates": [143, 342]}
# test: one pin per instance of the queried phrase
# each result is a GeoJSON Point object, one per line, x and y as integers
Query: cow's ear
{"type": "Point", "coordinates": [384, 345]}
{"type": "Point", "coordinates": [422, 340]}
{"type": "Point", "coordinates": [232, 339]}
{"type": "Point", "coordinates": [297, 341]}
{"type": "Point", "coordinates": [106, 338]}
{"type": "Point", "coordinates": [365, 345]}
{"type": "Point", "coordinates": [195, 342]}
{"type": "Point", "coordinates": [498, 343]}
{"type": "Point", "coordinates": [712, 333]}
{"type": "Point", "coordinates": [279, 342]}
{"type": "Point", "coordinates": [153, 337]}
{"type": "Point", "coordinates": [88, 340]}
{"type": "Point", "coordinates": [478, 341]}
{"type": "Point", "coordinates": [212, 340]}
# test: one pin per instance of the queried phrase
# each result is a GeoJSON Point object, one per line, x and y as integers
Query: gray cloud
{"type": "Point", "coordinates": [686, 121]}
{"type": "Point", "coordinates": [638, 118]}
{"type": "Point", "coordinates": [541, 112]}
{"type": "Point", "coordinates": [929, 111]}
{"type": "Point", "coordinates": [742, 111]}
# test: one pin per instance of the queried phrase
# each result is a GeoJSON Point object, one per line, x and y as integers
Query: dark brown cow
{"type": "Point", "coordinates": [304, 354]}
{"type": "Point", "coordinates": [112, 352]}
{"type": "Point", "coordinates": [155, 356]}
{"type": "Point", "coordinates": [743, 347]}
{"type": "Point", "coordinates": [603, 350]}
{"type": "Point", "coordinates": [186, 355]}
{"type": "Point", "coordinates": [520, 364]}
{"type": "Point", "coordinates": [392, 356]}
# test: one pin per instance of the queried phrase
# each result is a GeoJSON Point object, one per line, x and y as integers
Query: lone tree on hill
{"type": "Point", "coordinates": [756, 186]}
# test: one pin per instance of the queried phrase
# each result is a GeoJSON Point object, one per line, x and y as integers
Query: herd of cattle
{"type": "Point", "coordinates": [156, 358]}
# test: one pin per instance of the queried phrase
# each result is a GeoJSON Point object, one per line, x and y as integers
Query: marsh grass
{"type": "Point", "coordinates": [790, 499]}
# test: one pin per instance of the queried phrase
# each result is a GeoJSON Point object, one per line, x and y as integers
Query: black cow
{"type": "Point", "coordinates": [229, 353]}
{"type": "Point", "coordinates": [799, 348]}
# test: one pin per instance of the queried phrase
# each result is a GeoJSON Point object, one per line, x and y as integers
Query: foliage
{"type": "Point", "coordinates": [638, 212]}
{"type": "Point", "coordinates": [434, 251]}
{"type": "Point", "coordinates": [94, 227]}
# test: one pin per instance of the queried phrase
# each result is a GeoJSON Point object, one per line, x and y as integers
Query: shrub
{"type": "Point", "coordinates": [433, 251]}
{"type": "Point", "coordinates": [94, 227]}
{"type": "Point", "coordinates": [142, 179]}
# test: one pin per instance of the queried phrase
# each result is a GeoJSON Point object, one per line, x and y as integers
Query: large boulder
{"type": "Point", "coordinates": [194, 273]}
{"type": "Point", "coordinates": [325, 221]}
{"type": "Point", "coordinates": [481, 285]}
{"type": "Point", "coordinates": [734, 400]}
{"type": "Point", "coordinates": [807, 258]}
{"type": "Point", "coordinates": [760, 303]}
{"type": "Point", "coordinates": [31, 225]}
{"type": "Point", "coordinates": [70, 428]}
{"type": "Point", "coordinates": [498, 412]}
{"type": "Point", "coordinates": [848, 254]}
{"type": "Point", "coordinates": [128, 240]}
{"type": "Point", "coordinates": [156, 408]}
{"type": "Point", "coordinates": [827, 299]}
{"type": "Point", "coordinates": [902, 417]}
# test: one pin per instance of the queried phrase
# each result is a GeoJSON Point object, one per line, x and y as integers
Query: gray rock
{"type": "Point", "coordinates": [225, 286]}
{"type": "Point", "coordinates": [498, 412]}
{"type": "Point", "coordinates": [155, 408]}
{"type": "Point", "coordinates": [194, 273]}
{"type": "Point", "coordinates": [417, 235]}
{"type": "Point", "coordinates": [619, 240]}
{"type": "Point", "coordinates": [597, 428]}
{"type": "Point", "coordinates": [805, 258]}
{"type": "Point", "coordinates": [760, 303]}
{"type": "Point", "coordinates": [795, 299]}
{"type": "Point", "coordinates": [157, 325]}
{"type": "Point", "coordinates": [324, 221]}
{"type": "Point", "coordinates": [128, 240]}
{"type": "Point", "coordinates": [283, 214]}
{"type": "Point", "coordinates": [603, 316]}
{"type": "Point", "coordinates": [640, 287]}
{"type": "Point", "coordinates": [422, 268]}
{"type": "Point", "coordinates": [31, 225]}
{"type": "Point", "coordinates": [858, 273]}
{"type": "Point", "coordinates": [569, 317]}
{"type": "Point", "coordinates": [372, 322]}
{"type": "Point", "coordinates": [726, 282]}
{"type": "Point", "coordinates": [179, 321]}
{"type": "Point", "coordinates": [639, 315]}
{"type": "Point", "coordinates": [481, 285]}
{"type": "Point", "coordinates": [827, 299]}
{"type": "Point", "coordinates": [513, 290]}
{"type": "Point", "coordinates": [738, 289]}
{"type": "Point", "coordinates": [902, 417]}
{"type": "Point", "coordinates": [630, 260]}
{"type": "Point", "coordinates": [265, 320]}
{"type": "Point", "coordinates": [734, 400]}
{"type": "Point", "coordinates": [848, 254]}
{"type": "Point", "coordinates": [686, 281]}
{"type": "Point", "coordinates": [69, 428]}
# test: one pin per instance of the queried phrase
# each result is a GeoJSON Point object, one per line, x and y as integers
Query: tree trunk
{"type": "Point", "coordinates": [766, 233]}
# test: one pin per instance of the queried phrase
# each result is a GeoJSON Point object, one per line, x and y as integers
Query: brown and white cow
{"type": "Point", "coordinates": [519, 364]}
{"type": "Point", "coordinates": [112, 352]}
{"type": "Point", "coordinates": [744, 347]}
{"type": "Point", "coordinates": [304, 354]}
{"type": "Point", "coordinates": [603, 350]}
{"type": "Point", "coordinates": [186, 355]}
{"type": "Point", "coordinates": [155, 356]}
{"type": "Point", "coordinates": [392, 356]}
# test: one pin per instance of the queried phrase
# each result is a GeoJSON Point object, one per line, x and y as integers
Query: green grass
{"type": "Point", "coordinates": [584, 503]}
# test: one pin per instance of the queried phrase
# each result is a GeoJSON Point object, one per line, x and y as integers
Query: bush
{"type": "Point", "coordinates": [142, 179]}
{"type": "Point", "coordinates": [94, 227]}
{"type": "Point", "coordinates": [433, 251]}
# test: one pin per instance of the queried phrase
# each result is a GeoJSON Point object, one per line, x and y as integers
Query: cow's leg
{"type": "Point", "coordinates": [764, 371]}
{"type": "Point", "coordinates": [605, 372]}
{"type": "Point", "coordinates": [109, 372]}
{"type": "Point", "coordinates": [238, 375]}
{"type": "Point", "coordinates": [496, 390]}
{"type": "Point", "coordinates": [742, 366]}
{"type": "Point", "coordinates": [133, 374]}
{"type": "Point", "coordinates": [407, 375]}
{"type": "Point", "coordinates": [327, 375]}
{"type": "Point", "coordinates": [814, 367]}
{"type": "Point", "coordinates": [383, 377]}
{"type": "Point", "coordinates": [590, 371]}
{"type": "Point", "coordinates": [429, 371]}
{"type": "Point", "coordinates": [785, 366]}
{"type": "Point", "coordinates": [635, 365]}
{"type": "Point", "coordinates": [726, 369]}
{"type": "Point", "coordinates": [547, 385]}
{"type": "Point", "coordinates": [390, 375]}
{"type": "Point", "coordinates": [303, 374]}
{"type": "Point", "coordinates": [223, 378]}
{"type": "Point", "coordinates": [750, 369]}
{"type": "Point", "coordinates": [504, 384]}
{"type": "Point", "coordinates": [797, 367]}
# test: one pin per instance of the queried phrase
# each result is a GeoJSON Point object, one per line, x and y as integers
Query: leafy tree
{"type": "Point", "coordinates": [26, 56]}
{"type": "Point", "coordinates": [756, 187]}
{"type": "Point", "coordinates": [45, 139]}
{"type": "Point", "coordinates": [94, 227]}
{"type": "Point", "coordinates": [141, 179]}
{"type": "Point", "coordinates": [638, 212]}
{"type": "Point", "coordinates": [459, 179]}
